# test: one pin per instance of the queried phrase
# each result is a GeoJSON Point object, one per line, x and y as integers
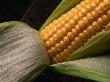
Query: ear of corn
{"type": "Point", "coordinates": [71, 30]}
{"type": "Point", "coordinates": [94, 68]}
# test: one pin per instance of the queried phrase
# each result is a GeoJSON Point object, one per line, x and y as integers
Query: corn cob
{"type": "Point", "coordinates": [71, 30]}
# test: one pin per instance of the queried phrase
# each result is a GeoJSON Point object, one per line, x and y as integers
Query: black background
{"type": "Point", "coordinates": [33, 12]}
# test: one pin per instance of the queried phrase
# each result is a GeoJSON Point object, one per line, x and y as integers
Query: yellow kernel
{"type": "Point", "coordinates": [52, 50]}
{"type": "Point", "coordinates": [68, 27]}
{"type": "Point", "coordinates": [55, 60]}
{"type": "Point", "coordinates": [55, 38]}
{"type": "Point", "coordinates": [47, 43]}
{"type": "Point", "coordinates": [63, 56]}
{"type": "Point", "coordinates": [62, 44]}
{"type": "Point", "coordinates": [83, 37]}
{"type": "Point", "coordinates": [87, 34]}
{"type": "Point", "coordinates": [74, 45]}
{"type": "Point", "coordinates": [90, 30]}
{"type": "Point", "coordinates": [66, 40]}
{"type": "Point", "coordinates": [77, 28]}
{"type": "Point", "coordinates": [58, 58]}
{"type": "Point", "coordinates": [51, 55]}
{"type": "Point", "coordinates": [78, 41]}
{"type": "Point", "coordinates": [66, 52]}
{"type": "Point", "coordinates": [71, 49]}
{"type": "Point", "coordinates": [100, 21]}
{"type": "Point", "coordinates": [52, 42]}
{"type": "Point", "coordinates": [75, 32]}
{"type": "Point", "coordinates": [58, 47]}
{"type": "Point", "coordinates": [70, 35]}
{"type": "Point", "coordinates": [60, 33]}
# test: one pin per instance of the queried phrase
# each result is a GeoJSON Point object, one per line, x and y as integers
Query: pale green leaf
{"type": "Point", "coordinates": [96, 68]}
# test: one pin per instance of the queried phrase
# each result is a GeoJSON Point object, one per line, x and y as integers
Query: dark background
{"type": "Point", "coordinates": [34, 13]}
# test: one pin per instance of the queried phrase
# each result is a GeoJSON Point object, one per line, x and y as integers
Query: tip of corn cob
{"type": "Point", "coordinates": [71, 30]}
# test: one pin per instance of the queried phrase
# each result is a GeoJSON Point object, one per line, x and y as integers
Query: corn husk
{"type": "Point", "coordinates": [23, 55]}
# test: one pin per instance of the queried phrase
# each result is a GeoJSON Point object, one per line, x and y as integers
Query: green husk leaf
{"type": "Point", "coordinates": [23, 55]}
{"type": "Point", "coordinates": [94, 68]}
{"type": "Point", "coordinates": [97, 45]}
{"type": "Point", "coordinates": [62, 8]}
